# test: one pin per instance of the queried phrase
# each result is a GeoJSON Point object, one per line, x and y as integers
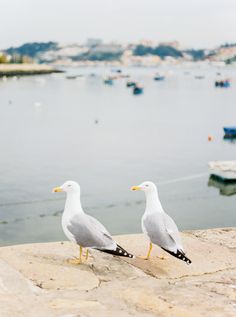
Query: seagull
{"type": "Point", "coordinates": [83, 229]}
{"type": "Point", "coordinates": [159, 227]}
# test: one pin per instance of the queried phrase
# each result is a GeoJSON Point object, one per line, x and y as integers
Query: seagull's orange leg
{"type": "Point", "coordinates": [87, 255]}
{"type": "Point", "coordinates": [148, 254]}
{"type": "Point", "coordinates": [77, 260]}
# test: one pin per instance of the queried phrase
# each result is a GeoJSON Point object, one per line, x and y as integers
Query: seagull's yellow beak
{"type": "Point", "coordinates": [135, 188]}
{"type": "Point", "coordinates": [57, 190]}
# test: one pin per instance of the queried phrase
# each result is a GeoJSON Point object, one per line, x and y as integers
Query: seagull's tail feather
{"type": "Point", "coordinates": [118, 251]}
{"type": "Point", "coordinates": [179, 255]}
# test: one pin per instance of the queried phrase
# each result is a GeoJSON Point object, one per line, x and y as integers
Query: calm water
{"type": "Point", "coordinates": [49, 134]}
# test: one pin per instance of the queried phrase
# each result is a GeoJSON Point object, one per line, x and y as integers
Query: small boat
{"type": "Point", "coordinates": [222, 83]}
{"type": "Point", "coordinates": [137, 90]}
{"type": "Point", "coordinates": [224, 171]}
{"type": "Point", "coordinates": [108, 81]}
{"type": "Point", "coordinates": [159, 77]}
{"type": "Point", "coordinates": [130, 84]}
{"type": "Point", "coordinates": [230, 131]}
{"type": "Point", "coordinates": [124, 76]}
{"type": "Point", "coordinates": [71, 77]}
{"type": "Point", "coordinates": [199, 77]}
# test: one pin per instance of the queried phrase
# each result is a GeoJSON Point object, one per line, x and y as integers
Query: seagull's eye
{"type": "Point", "coordinates": [146, 185]}
{"type": "Point", "coordinates": [68, 185]}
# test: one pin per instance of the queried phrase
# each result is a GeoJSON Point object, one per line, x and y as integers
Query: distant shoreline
{"type": "Point", "coordinates": [26, 69]}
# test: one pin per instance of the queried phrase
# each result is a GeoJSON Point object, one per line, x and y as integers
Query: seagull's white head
{"type": "Point", "coordinates": [147, 187]}
{"type": "Point", "coordinates": [68, 187]}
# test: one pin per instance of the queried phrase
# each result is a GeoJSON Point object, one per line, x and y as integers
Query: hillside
{"type": "Point", "coordinates": [53, 52]}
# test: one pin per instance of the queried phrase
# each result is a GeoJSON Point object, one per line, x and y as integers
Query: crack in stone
{"type": "Point", "coordinates": [189, 275]}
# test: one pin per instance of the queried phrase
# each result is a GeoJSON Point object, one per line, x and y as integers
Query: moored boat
{"type": "Point", "coordinates": [71, 77]}
{"type": "Point", "coordinates": [224, 171]}
{"type": "Point", "coordinates": [108, 81]}
{"type": "Point", "coordinates": [199, 77]}
{"type": "Point", "coordinates": [137, 90]}
{"type": "Point", "coordinates": [222, 83]}
{"type": "Point", "coordinates": [230, 131]}
{"type": "Point", "coordinates": [159, 78]}
{"type": "Point", "coordinates": [130, 83]}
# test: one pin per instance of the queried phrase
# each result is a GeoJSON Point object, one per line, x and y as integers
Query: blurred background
{"type": "Point", "coordinates": [111, 94]}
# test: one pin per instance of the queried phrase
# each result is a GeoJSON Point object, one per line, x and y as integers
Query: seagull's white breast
{"type": "Point", "coordinates": [65, 221]}
{"type": "Point", "coordinates": [143, 226]}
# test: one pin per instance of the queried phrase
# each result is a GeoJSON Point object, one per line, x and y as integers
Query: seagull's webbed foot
{"type": "Point", "coordinates": [148, 254]}
{"type": "Point", "coordinates": [86, 255]}
{"type": "Point", "coordinates": [75, 261]}
{"type": "Point", "coordinates": [79, 260]}
{"type": "Point", "coordinates": [143, 257]}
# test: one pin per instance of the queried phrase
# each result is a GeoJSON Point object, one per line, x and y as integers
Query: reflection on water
{"type": "Point", "coordinates": [230, 138]}
{"type": "Point", "coordinates": [226, 188]}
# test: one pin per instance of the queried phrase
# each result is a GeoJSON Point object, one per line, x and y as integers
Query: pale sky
{"type": "Point", "coordinates": [194, 23]}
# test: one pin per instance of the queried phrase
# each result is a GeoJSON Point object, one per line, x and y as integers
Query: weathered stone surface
{"type": "Point", "coordinates": [16, 293]}
{"type": "Point", "coordinates": [207, 256]}
{"type": "Point", "coordinates": [223, 236]}
{"type": "Point", "coordinates": [46, 265]}
{"type": "Point", "coordinates": [36, 280]}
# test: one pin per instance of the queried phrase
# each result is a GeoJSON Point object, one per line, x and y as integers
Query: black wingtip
{"type": "Point", "coordinates": [119, 251]}
{"type": "Point", "coordinates": [179, 255]}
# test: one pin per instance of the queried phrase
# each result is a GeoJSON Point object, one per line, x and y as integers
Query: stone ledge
{"type": "Point", "coordinates": [26, 69]}
{"type": "Point", "coordinates": [36, 280]}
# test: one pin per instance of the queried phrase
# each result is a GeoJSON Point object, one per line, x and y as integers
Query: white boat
{"type": "Point", "coordinates": [224, 170]}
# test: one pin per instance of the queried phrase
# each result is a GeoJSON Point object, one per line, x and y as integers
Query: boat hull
{"type": "Point", "coordinates": [230, 131]}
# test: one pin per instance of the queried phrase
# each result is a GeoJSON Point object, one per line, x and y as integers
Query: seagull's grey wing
{"type": "Point", "coordinates": [173, 231]}
{"type": "Point", "coordinates": [155, 228]}
{"type": "Point", "coordinates": [118, 249]}
{"type": "Point", "coordinates": [90, 233]}
{"type": "Point", "coordinates": [162, 231]}
{"type": "Point", "coordinates": [99, 225]}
